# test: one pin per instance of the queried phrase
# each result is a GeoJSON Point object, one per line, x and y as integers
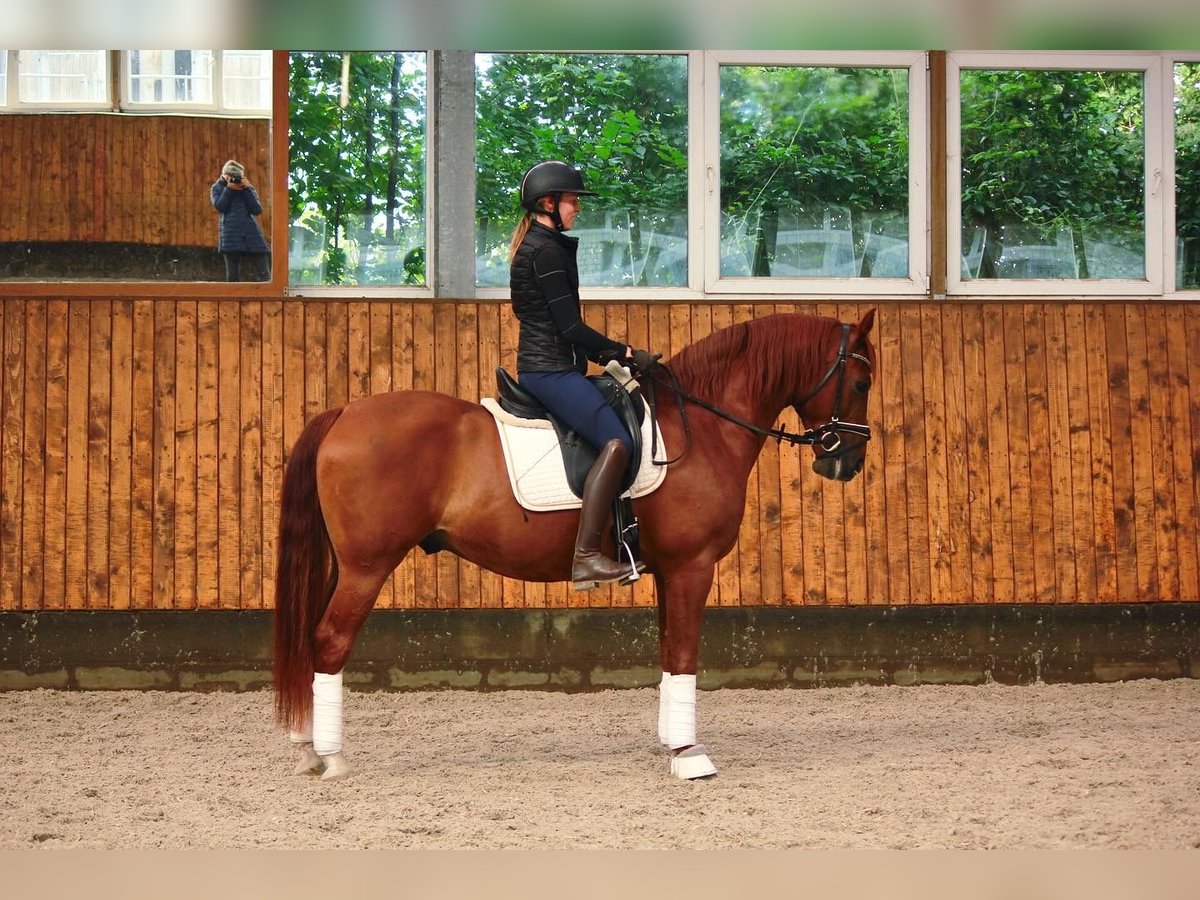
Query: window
{"type": "Point", "coordinates": [170, 77]}
{"type": "Point", "coordinates": [814, 174]}
{"type": "Point", "coordinates": [812, 180]}
{"type": "Point", "coordinates": [1051, 171]}
{"type": "Point", "coordinates": [62, 77]}
{"type": "Point", "coordinates": [357, 168]}
{"type": "Point", "coordinates": [223, 81]}
{"type": "Point", "coordinates": [246, 80]}
{"type": "Point", "coordinates": [622, 119]}
{"type": "Point", "coordinates": [230, 81]}
{"type": "Point", "coordinates": [1186, 105]}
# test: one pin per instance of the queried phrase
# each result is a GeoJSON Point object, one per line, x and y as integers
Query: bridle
{"type": "Point", "coordinates": [835, 427]}
{"type": "Point", "coordinates": [828, 436]}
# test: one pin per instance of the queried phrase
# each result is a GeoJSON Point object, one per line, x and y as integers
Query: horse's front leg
{"type": "Point", "coordinates": [681, 598]}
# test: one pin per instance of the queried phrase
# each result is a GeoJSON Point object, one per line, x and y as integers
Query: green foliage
{"type": "Point", "coordinates": [621, 119]}
{"type": "Point", "coordinates": [1053, 149]}
{"type": "Point", "coordinates": [357, 156]}
{"type": "Point", "coordinates": [1049, 149]}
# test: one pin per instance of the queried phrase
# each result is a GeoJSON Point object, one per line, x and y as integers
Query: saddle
{"type": "Point", "coordinates": [578, 454]}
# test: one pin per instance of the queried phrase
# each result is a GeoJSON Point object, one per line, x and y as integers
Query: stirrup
{"type": "Point", "coordinates": [629, 577]}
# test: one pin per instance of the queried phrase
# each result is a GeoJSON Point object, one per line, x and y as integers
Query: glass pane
{"type": "Point", "coordinates": [357, 168]}
{"type": "Point", "coordinates": [171, 76]}
{"type": "Point", "coordinates": [246, 79]}
{"type": "Point", "coordinates": [1187, 175]}
{"type": "Point", "coordinates": [814, 172]}
{"type": "Point", "coordinates": [63, 76]}
{"type": "Point", "coordinates": [124, 197]}
{"type": "Point", "coordinates": [621, 120]}
{"type": "Point", "coordinates": [1052, 174]}
{"type": "Point", "coordinates": [3, 77]}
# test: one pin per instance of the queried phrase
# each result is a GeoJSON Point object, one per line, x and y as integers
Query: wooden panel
{"type": "Point", "coordinates": [1029, 450]}
{"type": "Point", "coordinates": [54, 552]}
{"type": "Point", "coordinates": [163, 472]}
{"type": "Point", "coordinates": [99, 400]}
{"type": "Point", "coordinates": [250, 455]}
{"type": "Point", "coordinates": [975, 412]}
{"type": "Point", "coordinates": [33, 432]}
{"type": "Point", "coordinates": [1180, 440]}
{"type": "Point", "coordinates": [120, 551]}
{"type": "Point", "coordinates": [208, 402]}
{"type": "Point", "coordinates": [12, 402]}
{"type": "Point", "coordinates": [77, 418]}
{"type": "Point", "coordinates": [186, 464]}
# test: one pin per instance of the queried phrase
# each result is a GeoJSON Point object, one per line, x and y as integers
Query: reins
{"type": "Point", "coordinates": [820, 435]}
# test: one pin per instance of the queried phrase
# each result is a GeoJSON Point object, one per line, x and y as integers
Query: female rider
{"type": "Point", "coordinates": [555, 345]}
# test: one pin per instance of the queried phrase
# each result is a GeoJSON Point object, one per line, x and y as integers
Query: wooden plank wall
{"type": "Point", "coordinates": [123, 178]}
{"type": "Point", "coordinates": [1023, 452]}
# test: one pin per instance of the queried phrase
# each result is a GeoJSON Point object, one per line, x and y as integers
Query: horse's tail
{"type": "Point", "coordinates": [305, 576]}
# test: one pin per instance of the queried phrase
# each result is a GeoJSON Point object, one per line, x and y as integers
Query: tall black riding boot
{"type": "Point", "coordinates": [591, 567]}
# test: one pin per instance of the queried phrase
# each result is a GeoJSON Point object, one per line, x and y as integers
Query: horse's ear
{"type": "Point", "coordinates": [864, 327]}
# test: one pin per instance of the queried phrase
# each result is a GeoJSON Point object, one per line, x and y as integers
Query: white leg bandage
{"type": "Point", "coordinates": [681, 710]}
{"type": "Point", "coordinates": [327, 713]}
{"type": "Point", "coordinates": [662, 707]}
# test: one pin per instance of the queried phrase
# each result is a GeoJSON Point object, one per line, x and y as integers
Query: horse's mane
{"type": "Point", "coordinates": [773, 352]}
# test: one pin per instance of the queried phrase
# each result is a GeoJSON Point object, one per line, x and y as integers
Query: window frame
{"type": "Point", "coordinates": [433, 257]}
{"type": "Point", "coordinates": [1174, 292]}
{"type": "Point", "coordinates": [1155, 206]}
{"type": "Point", "coordinates": [709, 173]}
{"type": "Point", "coordinates": [215, 107]}
{"type": "Point", "coordinates": [12, 102]}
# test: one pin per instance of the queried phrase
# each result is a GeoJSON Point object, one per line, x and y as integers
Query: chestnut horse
{"type": "Point", "coordinates": [369, 482]}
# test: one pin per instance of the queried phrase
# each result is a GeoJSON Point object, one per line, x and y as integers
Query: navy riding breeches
{"type": "Point", "coordinates": [578, 403]}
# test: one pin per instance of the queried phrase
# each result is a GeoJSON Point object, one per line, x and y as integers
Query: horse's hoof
{"type": "Point", "coordinates": [336, 767]}
{"type": "Point", "coordinates": [692, 763]}
{"type": "Point", "coordinates": [308, 762]}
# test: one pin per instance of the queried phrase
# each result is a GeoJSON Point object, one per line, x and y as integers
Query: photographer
{"type": "Point", "coordinates": [238, 234]}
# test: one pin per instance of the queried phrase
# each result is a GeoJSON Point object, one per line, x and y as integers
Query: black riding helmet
{"type": "Point", "coordinates": [551, 178]}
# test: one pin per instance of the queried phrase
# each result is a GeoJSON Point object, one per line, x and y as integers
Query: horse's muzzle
{"type": "Point", "coordinates": [838, 467]}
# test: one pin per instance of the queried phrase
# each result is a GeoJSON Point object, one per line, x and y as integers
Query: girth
{"type": "Point", "coordinates": [578, 454]}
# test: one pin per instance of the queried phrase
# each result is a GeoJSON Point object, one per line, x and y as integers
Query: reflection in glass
{"type": "Point", "coordinates": [814, 172]}
{"type": "Point", "coordinates": [108, 194]}
{"type": "Point", "coordinates": [1052, 174]}
{"type": "Point", "coordinates": [63, 76]}
{"type": "Point", "coordinates": [170, 76]}
{"type": "Point", "coordinates": [357, 188]}
{"type": "Point", "coordinates": [1187, 175]}
{"type": "Point", "coordinates": [621, 119]}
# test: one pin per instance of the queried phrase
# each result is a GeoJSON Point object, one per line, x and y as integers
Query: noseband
{"type": "Point", "coordinates": [828, 436]}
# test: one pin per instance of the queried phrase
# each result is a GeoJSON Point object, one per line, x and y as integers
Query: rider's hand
{"type": "Point", "coordinates": [643, 360]}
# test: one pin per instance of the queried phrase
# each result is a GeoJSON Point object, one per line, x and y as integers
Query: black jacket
{"type": "Point", "coordinates": [544, 286]}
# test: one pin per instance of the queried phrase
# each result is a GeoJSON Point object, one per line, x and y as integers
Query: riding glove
{"type": "Point", "coordinates": [643, 360]}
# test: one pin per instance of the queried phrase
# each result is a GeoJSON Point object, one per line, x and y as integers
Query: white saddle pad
{"type": "Point", "coordinates": [535, 464]}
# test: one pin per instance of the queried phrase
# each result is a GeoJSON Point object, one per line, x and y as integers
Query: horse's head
{"type": "Point", "coordinates": [835, 410]}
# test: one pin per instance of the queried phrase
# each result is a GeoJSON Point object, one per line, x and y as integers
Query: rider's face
{"type": "Point", "coordinates": [568, 208]}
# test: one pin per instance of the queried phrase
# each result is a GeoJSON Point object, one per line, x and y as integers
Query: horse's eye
{"type": "Point", "coordinates": [862, 386]}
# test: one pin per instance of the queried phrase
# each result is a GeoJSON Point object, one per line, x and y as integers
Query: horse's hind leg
{"type": "Point", "coordinates": [348, 608]}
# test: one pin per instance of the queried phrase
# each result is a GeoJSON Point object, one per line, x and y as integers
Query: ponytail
{"type": "Point", "coordinates": [518, 235]}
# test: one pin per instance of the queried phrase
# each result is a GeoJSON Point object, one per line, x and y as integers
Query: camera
{"type": "Point", "coordinates": [235, 179]}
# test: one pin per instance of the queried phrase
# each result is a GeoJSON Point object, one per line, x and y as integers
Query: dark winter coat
{"type": "Point", "coordinates": [544, 286]}
{"type": "Point", "coordinates": [237, 232]}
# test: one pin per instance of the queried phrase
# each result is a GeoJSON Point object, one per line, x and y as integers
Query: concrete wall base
{"type": "Point", "coordinates": [582, 650]}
